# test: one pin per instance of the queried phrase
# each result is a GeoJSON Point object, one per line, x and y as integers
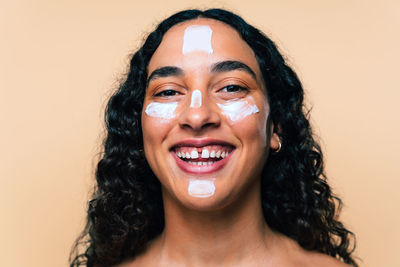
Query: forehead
{"type": "Point", "coordinates": [225, 42]}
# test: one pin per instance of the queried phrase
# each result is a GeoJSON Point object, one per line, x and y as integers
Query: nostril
{"type": "Point", "coordinates": [199, 118]}
{"type": "Point", "coordinates": [208, 125]}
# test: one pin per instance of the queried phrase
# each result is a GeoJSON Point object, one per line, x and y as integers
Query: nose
{"type": "Point", "coordinates": [199, 113]}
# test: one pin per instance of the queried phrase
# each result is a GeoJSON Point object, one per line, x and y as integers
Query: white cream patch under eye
{"type": "Point", "coordinates": [161, 110]}
{"type": "Point", "coordinates": [201, 188]}
{"type": "Point", "coordinates": [197, 38]}
{"type": "Point", "coordinates": [196, 99]}
{"type": "Point", "coordinates": [238, 110]}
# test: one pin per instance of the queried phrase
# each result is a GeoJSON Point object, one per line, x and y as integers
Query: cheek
{"type": "Point", "coordinates": [252, 131]}
{"type": "Point", "coordinates": [157, 119]}
{"type": "Point", "coordinates": [248, 120]}
{"type": "Point", "coordinates": [164, 111]}
{"type": "Point", "coordinates": [155, 131]}
{"type": "Point", "coordinates": [238, 110]}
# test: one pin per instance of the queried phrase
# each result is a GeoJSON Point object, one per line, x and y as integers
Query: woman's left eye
{"type": "Point", "coordinates": [232, 92]}
{"type": "Point", "coordinates": [234, 89]}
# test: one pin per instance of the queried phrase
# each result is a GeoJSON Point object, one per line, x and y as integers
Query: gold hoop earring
{"type": "Point", "coordinates": [279, 148]}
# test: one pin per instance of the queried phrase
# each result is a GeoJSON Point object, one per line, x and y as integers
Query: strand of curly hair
{"type": "Point", "coordinates": [126, 210]}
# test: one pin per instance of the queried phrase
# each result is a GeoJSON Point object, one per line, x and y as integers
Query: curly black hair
{"type": "Point", "coordinates": [126, 210]}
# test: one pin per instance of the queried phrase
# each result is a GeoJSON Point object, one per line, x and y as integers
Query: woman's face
{"type": "Point", "coordinates": [205, 116]}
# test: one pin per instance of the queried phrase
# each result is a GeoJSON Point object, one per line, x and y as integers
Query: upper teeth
{"type": "Point", "coordinates": [205, 154]}
{"type": "Point", "coordinates": [212, 154]}
{"type": "Point", "coordinates": [194, 154]}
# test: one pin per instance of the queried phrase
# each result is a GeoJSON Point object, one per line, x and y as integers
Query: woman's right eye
{"type": "Point", "coordinates": [167, 93]}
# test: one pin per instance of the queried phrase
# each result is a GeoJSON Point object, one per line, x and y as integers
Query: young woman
{"type": "Point", "coordinates": [209, 158]}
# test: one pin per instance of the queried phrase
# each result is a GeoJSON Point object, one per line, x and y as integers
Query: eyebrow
{"type": "Point", "coordinates": [223, 66]}
{"type": "Point", "coordinates": [230, 65]}
{"type": "Point", "coordinates": [165, 72]}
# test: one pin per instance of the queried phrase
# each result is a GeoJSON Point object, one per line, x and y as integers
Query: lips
{"type": "Point", "coordinates": [202, 156]}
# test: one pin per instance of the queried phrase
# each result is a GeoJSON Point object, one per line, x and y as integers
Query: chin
{"type": "Point", "coordinates": [209, 204]}
{"type": "Point", "coordinates": [203, 198]}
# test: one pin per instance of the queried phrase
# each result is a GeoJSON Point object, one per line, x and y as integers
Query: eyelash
{"type": "Point", "coordinates": [167, 93]}
{"type": "Point", "coordinates": [234, 86]}
{"type": "Point", "coordinates": [237, 89]}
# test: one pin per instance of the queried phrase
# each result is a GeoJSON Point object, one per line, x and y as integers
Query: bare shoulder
{"type": "Point", "coordinates": [137, 261]}
{"type": "Point", "coordinates": [319, 259]}
{"type": "Point", "coordinates": [303, 257]}
{"type": "Point", "coordinates": [140, 260]}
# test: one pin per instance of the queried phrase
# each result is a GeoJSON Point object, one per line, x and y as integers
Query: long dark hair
{"type": "Point", "coordinates": [126, 210]}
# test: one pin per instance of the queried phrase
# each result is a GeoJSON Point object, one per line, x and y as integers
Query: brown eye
{"type": "Point", "coordinates": [234, 89]}
{"type": "Point", "coordinates": [167, 93]}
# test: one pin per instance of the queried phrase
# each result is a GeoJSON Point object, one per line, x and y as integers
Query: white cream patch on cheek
{"type": "Point", "coordinates": [161, 110]}
{"type": "Point", "coordinates": [196, 99]}
{"type": "Point", "coordinates": [197, 38]}
{"type": "Point", "coordinates": [201, 188]}
{"type": "Point", "coordinates": [238, 110]}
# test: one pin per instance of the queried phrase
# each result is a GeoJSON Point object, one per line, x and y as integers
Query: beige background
{"type": "Point", "coordinates": [59, 60]}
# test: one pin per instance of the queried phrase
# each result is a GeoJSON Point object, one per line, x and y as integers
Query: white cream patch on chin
{"type": "Point", "coordinates": [161, 110]}
{"type": "Point", "coordinates": [201, 188]}
{"type": "Point", "coordinates": [197, 38]}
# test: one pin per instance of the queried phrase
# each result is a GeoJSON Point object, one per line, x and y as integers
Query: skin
{"type": "Point", "coordinates": [227, 229]}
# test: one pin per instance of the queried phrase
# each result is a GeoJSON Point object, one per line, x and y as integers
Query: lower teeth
{"type": "Point", "coordinates": [200, 163]}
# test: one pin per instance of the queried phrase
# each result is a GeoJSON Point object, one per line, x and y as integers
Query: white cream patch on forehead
{"type": "Point", "coordinates": [196, 99]}
{"type": "Point", "coordinates": [238, 110]}
{"type": "Point", "coordinates": [197, 38]}
{"type": "Point", "coordinates": [201, 188]}
{"type": "Point", "coordinates": [161, 110]}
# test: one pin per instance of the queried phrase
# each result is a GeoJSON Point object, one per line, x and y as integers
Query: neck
{"type": "Point", "coordinates": [226, 236]}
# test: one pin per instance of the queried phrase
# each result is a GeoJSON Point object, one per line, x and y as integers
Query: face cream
{"type": "Point", "coordinates": [201, 188]}
{"type": "Point", "coordinates": [238, 110]}
{"type": "Point", "coordinates": [197, 38]}
{"type": "Point", "coordinates": [161, 110]}
{"type": "Point", "coordinates": [196, 99]}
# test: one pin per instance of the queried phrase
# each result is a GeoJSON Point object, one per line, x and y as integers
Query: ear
{"type": "Point", "coordinates": [275, 139]}
{"type": "Point", "coordinates": [274, 142]}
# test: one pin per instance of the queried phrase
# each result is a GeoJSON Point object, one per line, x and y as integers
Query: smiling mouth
{"type": "Point", "coordinates": [203, 156]}
{"type": "Point", "coordinates": [197, 159]}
